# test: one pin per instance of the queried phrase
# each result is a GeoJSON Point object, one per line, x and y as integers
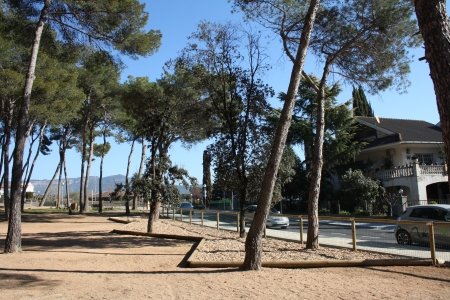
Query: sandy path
{"type": "Point", "coordinates": [72, 257]}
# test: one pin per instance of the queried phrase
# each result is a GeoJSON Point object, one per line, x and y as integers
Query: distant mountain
{"type": "Point", "coordinates": [108, 184]}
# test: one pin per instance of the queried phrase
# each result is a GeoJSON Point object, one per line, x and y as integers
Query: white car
{"type": "Point", "coordinates": [272, 221]}
{"type": "Point", "coordinates": [406, 234]}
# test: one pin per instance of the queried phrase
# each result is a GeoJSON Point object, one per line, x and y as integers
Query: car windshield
{"type": "Point", "coordinates": [273, 211]}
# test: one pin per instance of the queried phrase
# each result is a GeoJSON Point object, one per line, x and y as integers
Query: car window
{"type": "Point", "coordinates": [440, 214]}
{"type": "Point", "coordinates": [424, 213]}
{"type": "Point", "coordinates": [447, 216]}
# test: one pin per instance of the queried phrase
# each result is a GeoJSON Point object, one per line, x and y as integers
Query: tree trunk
{"type": "Point", "coordinates": [41, 136]}
{"type": "Point", "coordinates": [83, 152]}
{"type": "Point", "coordinates": [141, 168]}
{"type": "Point", "coordinates": [154, 207]}
{"type": "Point", "coordinates": [67, 185]}
{"type": "Point", "coordinates": [58, 205]}
{"type": "Point", "coordinates": [13, 241]}
{"type": "Point", "coordinates": [253, 243]}
{"type": "Point", "coordinates": [242, 212]}
{"type": "Point", "coordinates": [312, 240]}
{"type": "Point", "coordinates": [83, 155]}
{"type": "Point", "coordinates": [434, 26]}
{"type": "Point", "coordinates": [41, 203]}
{"type": "Point", "coordinates": [6, 190]}
{"type": "Point", "coordinates": [100, 188]}
{"type": "Point", "coordinates": [127, 185]}
{"type": "Point", "coordinates": [88, 169]}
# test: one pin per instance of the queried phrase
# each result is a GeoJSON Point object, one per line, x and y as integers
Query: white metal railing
{"type": "Point", "coordinates": [432, 170]}
{"type": "Point", "coordinates": [394, 173]}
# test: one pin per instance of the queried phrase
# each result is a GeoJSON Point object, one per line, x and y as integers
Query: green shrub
{"type": "Point", "coordinates": [362, 213]}
{"type": "Point", "coordinates": [433, 202]}
{"type": "Point", "coordinates": [324, 211]}
{"type": "Point", "coordinates": [344, 213]}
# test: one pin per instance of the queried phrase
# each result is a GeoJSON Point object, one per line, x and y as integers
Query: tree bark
{"type": "Point", "coordinates": [312, 240]}
{"type": "Point", "coordinates": [41, 135]}
{"type": "Point", "coordinates": [141, 168]}
{"type": "Point", "coordinates": [434, 26]}
{"type": "Point", "coordinates": [41, 203]}
{"type": "Point", "coordinates": [253, 243]}
{"type": "Point", "coordinates": [5, 151]}
{"type": "Point", "coordinates": [127, 184]}
{"type": "Point", "coordinates": [67, 185]}
{"type": "Point", "coordinates": [88, 169]}
{"type": "Point", "coordinates": [13, 241]}
{"type": "Point", "coordinates": [100, 188]}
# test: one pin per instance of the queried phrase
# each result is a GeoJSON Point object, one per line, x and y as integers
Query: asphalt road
{"type": "Point", "coordinates": [377, 237]}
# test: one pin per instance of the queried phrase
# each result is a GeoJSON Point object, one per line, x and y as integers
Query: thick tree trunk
{"type": "Point", "coordinates": [253, 243]}
{"type": "Point", "coordinates": [434, 26]}
{"type": "Point", "coordinates": [151, 218]}
{"type": "Point", "coordinates": [13, 241]}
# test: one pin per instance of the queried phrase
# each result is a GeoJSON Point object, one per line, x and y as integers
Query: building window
{"type": "Point", "coordinates": [425, 158]}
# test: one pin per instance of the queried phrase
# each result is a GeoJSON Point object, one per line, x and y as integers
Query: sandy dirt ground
{"type": "Point", "coordinates": [77, 257]}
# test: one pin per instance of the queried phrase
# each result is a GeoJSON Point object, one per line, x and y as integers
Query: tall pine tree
{"type": "Point", "coordinates": [361, 107]}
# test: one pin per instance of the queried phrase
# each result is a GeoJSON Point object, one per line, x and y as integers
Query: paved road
{"type": "Point", "coordinates": [376, 237]}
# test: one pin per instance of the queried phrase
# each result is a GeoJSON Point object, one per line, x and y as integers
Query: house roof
{"type": "Point", "coordinates": [399, 130]}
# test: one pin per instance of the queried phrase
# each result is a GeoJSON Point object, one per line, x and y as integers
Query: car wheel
{"type": "Point", "coordinates": [283, 227]}
{"type": "Point", "coordinates": [403, 237]}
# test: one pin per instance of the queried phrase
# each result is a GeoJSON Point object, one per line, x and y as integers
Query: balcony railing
{"type": "Point", "coordinates": [394, 173]}
{"type": "Point", "coordinates": [432, 170]}
{"type": "Point", "coordinates": [408, 171]}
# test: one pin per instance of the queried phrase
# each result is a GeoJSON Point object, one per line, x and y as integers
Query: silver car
{"type": "Point", "coordinates": [406, 234]}
{"type": "Point", "coordinates": [272, 221]}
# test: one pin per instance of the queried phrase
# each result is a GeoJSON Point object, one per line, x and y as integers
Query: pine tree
{"type": "Point", "coordinates": [361, 106]}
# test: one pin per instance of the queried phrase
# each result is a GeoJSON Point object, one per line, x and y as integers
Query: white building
{"type": "Point", "coordinates": [406, 155]}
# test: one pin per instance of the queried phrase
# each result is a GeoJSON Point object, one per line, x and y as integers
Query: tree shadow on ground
{"type": "Point", "coordinates": [409, 274]}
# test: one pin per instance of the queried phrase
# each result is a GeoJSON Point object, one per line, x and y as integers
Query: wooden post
{"type": "Point", "coordinates": [353, 233]}
{"type": "Point", "coordinates": [301, 229]}
{"type": "Point", "coordinates": [173, 213]}
{"type": "Point", "coordinates": [237, 222]}
{"type": "Point", "coordinates": [181, 215]}
{"type": "Point", "coordinates": [202, 218]}
{"type": "Point", "coordinates": [432, 242]}
{"type": "Point", "coordinates": [265, 233]}
{"type": "Point", "coordinates": [190, 217]}
{"type": "Point", "coordinates": [217, 218]}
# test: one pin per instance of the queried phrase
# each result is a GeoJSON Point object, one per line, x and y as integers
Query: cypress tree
{"type": "Point", "coordinates": [361, 106]}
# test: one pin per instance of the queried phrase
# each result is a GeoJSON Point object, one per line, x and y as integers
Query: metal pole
{"type": "Point", "coordinates": [202, 218]}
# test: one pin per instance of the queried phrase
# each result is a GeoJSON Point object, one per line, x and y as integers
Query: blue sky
{"type": "Point", "coordinates": [177, 19]}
